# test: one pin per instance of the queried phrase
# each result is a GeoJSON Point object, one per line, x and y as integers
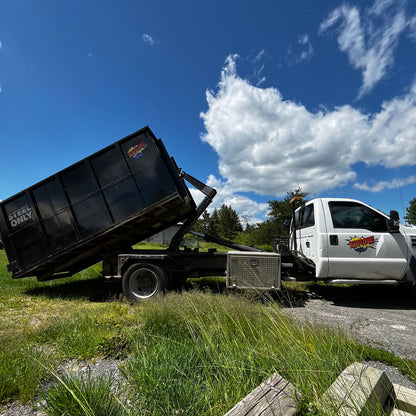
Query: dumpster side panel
{"type": "Point", "coordinates": [24, 235]}
{"type": "Point", "coordinates": [112, 199]}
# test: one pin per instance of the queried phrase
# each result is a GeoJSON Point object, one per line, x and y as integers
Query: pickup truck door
{"type": "Point", "coordinates": [359, 244]}
{"type": "Point", "coordinates": [305, 231]}
{"type": "Point", "coordinates": [311, 236]}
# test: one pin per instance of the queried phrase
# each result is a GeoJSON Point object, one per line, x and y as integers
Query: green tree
{"type": "Point", "coordinates": [223, 222]}
{"type": "Point", "coordinates": [215, 223]}
{"type": "Point", "coordinates": [204, 225]}
{"type": "Point", "coordinates": [262, 234]}
{"type": "Point", "coordinates": [229, 224]}
{"type": "Point", "coordinates": [411, 212]}
{"type": "Point", "coordinates": [280, 212]}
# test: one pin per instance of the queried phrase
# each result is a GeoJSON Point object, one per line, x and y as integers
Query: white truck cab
{"type": "Point", "coordinates": [347, 241]}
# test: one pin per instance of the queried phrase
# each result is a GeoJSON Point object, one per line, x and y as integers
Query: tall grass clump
{"type": "Point", "coordinates": [20, 368]}
{"type": "Point", "coordinates": [202, 353]}
{"type": "Point", "coordinates": [83, 395]}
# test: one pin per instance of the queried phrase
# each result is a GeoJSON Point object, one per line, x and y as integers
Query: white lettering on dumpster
{"type": "Point", "coordinates": [20, 216]}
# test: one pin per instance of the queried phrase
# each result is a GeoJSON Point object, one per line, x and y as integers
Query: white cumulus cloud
{"type": "Point", "coordinates": [383, 185]}
{"type": "Point", "coordinates": [370, 38]}
{"type": "Point", "coordinates": [269, 145]}
{"type": "Point", "coordinates": [243, 205]}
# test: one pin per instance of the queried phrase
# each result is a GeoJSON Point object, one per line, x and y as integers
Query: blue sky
{"type": "Point", "coordinates": [255, 98]}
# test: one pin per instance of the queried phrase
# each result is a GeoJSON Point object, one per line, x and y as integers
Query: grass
{"type": "Point", "coordinates": [84, 395]}
{"type": "Point", "coordinates": [193, 242]}
{"type": "Point", "coordinates": [196, 352]}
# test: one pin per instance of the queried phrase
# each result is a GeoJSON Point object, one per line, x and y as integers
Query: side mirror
{"type": "Point", "coordinates": [393, 224]}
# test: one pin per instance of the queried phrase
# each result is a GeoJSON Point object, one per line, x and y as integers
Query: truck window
{"type": "Point", "coordinates": [308, 218]}
{"type": "Point", "coordinates": [305, 217]}
{"type": "Point", "coordinates": [346, 214]}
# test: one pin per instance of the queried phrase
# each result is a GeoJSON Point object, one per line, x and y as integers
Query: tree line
{"type": "Point", "coordinates": [225, 223]}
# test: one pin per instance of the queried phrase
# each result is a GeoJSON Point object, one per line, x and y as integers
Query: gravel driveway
{"type": "Point", "coordinates": [383, 317]}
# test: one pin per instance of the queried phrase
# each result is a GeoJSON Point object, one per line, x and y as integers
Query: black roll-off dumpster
{"type": "Point", "coordinates": [112, 199]}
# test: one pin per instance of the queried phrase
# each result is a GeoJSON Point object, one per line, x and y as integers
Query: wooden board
{"type": "Point", "coordinates": [274, 397]}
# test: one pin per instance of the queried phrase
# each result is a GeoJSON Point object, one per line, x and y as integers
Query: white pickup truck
{"type": "Point", "coordinates": [347, 241]}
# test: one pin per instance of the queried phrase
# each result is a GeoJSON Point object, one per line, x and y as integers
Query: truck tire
{"type": "Point", "coordinates": [144, 281]}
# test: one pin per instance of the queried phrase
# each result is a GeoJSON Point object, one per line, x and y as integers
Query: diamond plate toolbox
{"type": "Point", "coordinates": [247, 270]}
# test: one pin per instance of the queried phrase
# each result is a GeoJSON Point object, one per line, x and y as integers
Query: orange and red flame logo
{"type": "Point", "coordinates": [137, 151]}
{"type": "Point", "coordinates": [361, 244]}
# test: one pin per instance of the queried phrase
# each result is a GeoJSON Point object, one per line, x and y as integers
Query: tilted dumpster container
{"type": "Point", "coordinates": [108, 201]}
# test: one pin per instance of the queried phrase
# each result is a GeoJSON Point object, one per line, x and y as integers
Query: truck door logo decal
{"type": "Point", "coordinates": [361, 244]}
{"type": "Point", "coordinates": [137, 151]}
{"type": "Point", "coordinates": [20, 216]}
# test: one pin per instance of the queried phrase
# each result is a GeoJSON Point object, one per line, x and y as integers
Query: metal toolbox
{"type": "Point", "coordinates": [253, 270]}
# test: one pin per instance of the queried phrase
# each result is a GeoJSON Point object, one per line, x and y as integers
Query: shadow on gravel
{"type": "Point", "coordinates": [362, 296]}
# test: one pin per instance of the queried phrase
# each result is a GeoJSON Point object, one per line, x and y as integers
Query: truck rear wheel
{"type": "Point", "coordinates": [144, 280]}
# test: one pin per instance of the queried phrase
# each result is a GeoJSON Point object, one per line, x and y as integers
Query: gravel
{"type": "Point", "coordinates": [382, 317]}
{"type": "Point", "coordinates": [394, 375]}
{"type": "Point", "coordinates": [100, 368]}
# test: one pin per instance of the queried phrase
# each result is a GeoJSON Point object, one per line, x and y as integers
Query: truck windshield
{"type": "Point", "coordinates": [346, 214]}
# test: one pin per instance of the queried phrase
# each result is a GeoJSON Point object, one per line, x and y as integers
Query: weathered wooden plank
{"type": "Point", "coordinates": [405, 398]}
{"type": "Point", "coordinates": [359, 389]}
{"type": "Point", "coordinates": [274, 397]}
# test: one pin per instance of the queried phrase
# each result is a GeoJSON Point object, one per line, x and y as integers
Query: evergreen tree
{"type": "Point", "coordinates": [229, 224]}
{"type": "Point", "coordinates": [263, 233]}
{"type": "Point", "coordinates": [411, 212]}
{"type": "Point", "coordinates": [204, 224]}
{"type": "Point", "coordinates": [215, 221]}
{"type": "Point", "coordinates": [280, 212]}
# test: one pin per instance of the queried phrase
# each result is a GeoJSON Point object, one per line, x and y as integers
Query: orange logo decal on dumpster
{"type": "Point", "coordinates": [361, 244]}
{"type": "Point", "coordinates": [137, 151]}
